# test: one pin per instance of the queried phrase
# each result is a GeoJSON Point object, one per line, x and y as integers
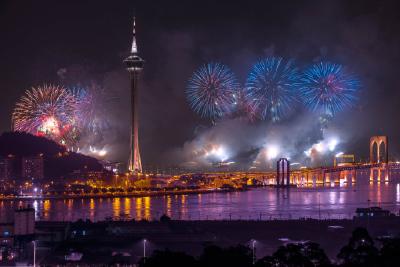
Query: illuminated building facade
{"type": "Point", "coordinates": [343, 160]}
{"type": "Point", "coordinates": [134, 65]}
{"type": "Point", "coordinates": [32, 167]}
{"type": "Point", "coordinates": [7, 168]}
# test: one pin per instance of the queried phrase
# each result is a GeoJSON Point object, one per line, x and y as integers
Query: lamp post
{"type": "Point", "coordinates": [144, 250]}
{"type": "Point", "coordinates": [253, 246]}
{"type": "Point", "coordinates": [34, 253]}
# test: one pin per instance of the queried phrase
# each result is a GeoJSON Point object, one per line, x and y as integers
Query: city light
{"type": "Point", "coordinates": [332, 144]}
{"type": "Point", "coordinates": [218, 152]}
{"type": "Point", "coordinates": [272, 152]}
{"type": "Point", "coordinates": [322, 147]}
{"type": "Point", "coordinates": [339, 154]}
{"type": "Point", "coordinates": [319, 147]}
{"type": "Point", "coordinates": [97, 152]}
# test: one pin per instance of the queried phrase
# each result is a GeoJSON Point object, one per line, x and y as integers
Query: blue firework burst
{"type": "Point", "coordinates": [271, 88]}
{"type": "Point", "coordinates": [328, 88]}
{"type": "Point", "coordinates": [212, 91]}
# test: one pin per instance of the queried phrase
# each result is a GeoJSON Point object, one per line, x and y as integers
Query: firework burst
{"type": "Point", "coordinates": [84, 108]}
{"type": "Point", "coordinates": [48, 111]}
{"type": "Point", "coordinates": [90, 112]}
{"type": "Point", "coordinates": [212, 91]}
{"type": "Point", "coordinates": [271, 88]}
{"type": "Point", "coordinates": [328, 88]}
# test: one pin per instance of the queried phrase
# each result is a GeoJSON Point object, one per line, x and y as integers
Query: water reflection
{"type": "Point", "coordinates": [139, 208]}
{"type": "Point", "coordinates": [92, 208]}
{"type": "Point", "coordinates": [127, 207]}
{"type": "Point", "coordinates": [116, 207]}
{"type": "Point", "coordinates": [397, 192]}
{"type": "Point", "coordinates": [35, 206]}
{"type": "Point", "coordinates": [265, 203]}
{"type": "Point", "coordinates": [169, 206]}
{"type": "Point", "coordinates": [46, 209]}
{"type": "Point", "coordinates": [147, 204]}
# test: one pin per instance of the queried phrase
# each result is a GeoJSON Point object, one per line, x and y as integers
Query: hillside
{"type": "Point", "coordinates": [58, 162]}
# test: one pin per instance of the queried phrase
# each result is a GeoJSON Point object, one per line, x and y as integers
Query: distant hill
{"type": "Point", "coordinates": [58, 162]}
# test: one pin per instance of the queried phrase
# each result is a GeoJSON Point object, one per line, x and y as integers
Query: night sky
{"type": "Point", "coordinates": [89, 39]}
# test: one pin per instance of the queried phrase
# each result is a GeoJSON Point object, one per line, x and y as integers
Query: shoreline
{"type": "Point", "coordinates": [118, 195]}
{"type": "Point", "coordinates": [158, 193]}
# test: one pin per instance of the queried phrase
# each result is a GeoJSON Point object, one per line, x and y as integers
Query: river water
{"type": "Point", "coordinates": [260, 203]}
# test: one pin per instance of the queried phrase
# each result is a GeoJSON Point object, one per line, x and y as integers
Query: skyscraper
{"type": "Point", "coordinates": [32, 167]}
{"type": "Point", "coordinates": [134, 65]}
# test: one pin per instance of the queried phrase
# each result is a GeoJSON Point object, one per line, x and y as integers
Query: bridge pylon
{"type": "Point", "coordinates": [379, 156]}
{"type": "Point", "coordinates": [283, 172]}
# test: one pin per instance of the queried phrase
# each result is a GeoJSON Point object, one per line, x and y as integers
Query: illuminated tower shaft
{"type": "Point", "coordinates": [134, 65]}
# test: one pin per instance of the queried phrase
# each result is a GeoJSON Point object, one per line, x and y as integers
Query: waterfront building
{"type": "Point", "coordinates": [32, 167]}
{"type": "Point", "coordinates": [7, 172]}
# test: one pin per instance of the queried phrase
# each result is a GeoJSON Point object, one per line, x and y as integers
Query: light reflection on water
{"type": "Point", "coordinates": [398, 193]}
{"type": "Point", "coordinates": [265, 203]}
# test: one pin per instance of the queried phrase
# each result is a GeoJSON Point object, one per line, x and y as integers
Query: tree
{"type": "Point", "coordinates": [316, 254]}
{"type": "Point", "coordinates": [360, 251]}
{"type": "Point", "coordinates": [308, 254]}
{"type": "Point", "coordinates": [165, 218]}
{"type": "Point", "coordinates": [267, 261]}
{"type": "Point", "coordinates": [239, 256]}
{"type": "Point", "coordinates": [291, 255]}
{"type": "Point", "coordinates": [168, 258]}
{"type": "Point", "coordinates": [390, 253]}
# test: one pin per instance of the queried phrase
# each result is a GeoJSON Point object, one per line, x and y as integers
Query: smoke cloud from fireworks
{"type": "Point", "coordinates": [259, 145]}
{"type": "Point", "coordinates": [101, 104]}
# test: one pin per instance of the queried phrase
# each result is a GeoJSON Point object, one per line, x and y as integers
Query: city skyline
{"type": "Point", "coordinates": [163, 87]}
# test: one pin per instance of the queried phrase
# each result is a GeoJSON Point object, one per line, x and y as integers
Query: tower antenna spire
{"type": "Point", "coordinates": [134, 49]}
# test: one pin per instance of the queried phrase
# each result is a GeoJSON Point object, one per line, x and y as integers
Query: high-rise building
{"type": "Point", "coordinates": [32, 167]}
{"type": "Point", "coordinates": [134, 65]}
{"type": "Point", "coordinates": [7, 172]}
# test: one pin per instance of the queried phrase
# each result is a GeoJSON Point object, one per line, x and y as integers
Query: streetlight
{"type": "Point", "coordinates": [253, 246]}
{"type": "Point", "coordinates": [34, 253]}
{"type": "Point", "coordinates": [144, 251]}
